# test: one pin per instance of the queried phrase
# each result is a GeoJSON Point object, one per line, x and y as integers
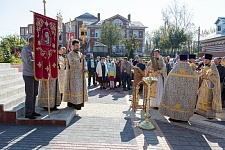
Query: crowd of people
{"type": "Point", "coordinates": [185, 85]}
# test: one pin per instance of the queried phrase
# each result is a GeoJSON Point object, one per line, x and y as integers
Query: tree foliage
{"type": "Point", "coordinates": [111, 35]}
{"type": "Point", "coordinates": [178, 15]}
{"type": "Point", "coordinates": [131, 45]}
{"type": "Point", "coordinates": [156, 38]}
{"type": "Point", "coordinates": [177, 33]}
{"type": "Point", "coordinates": [10, 48]}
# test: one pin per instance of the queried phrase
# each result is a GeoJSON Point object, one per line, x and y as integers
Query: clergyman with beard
{"type": "Point", "coordinates": [73, 88]}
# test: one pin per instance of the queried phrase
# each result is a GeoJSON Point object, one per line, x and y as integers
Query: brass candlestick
{"type": "Point", "coordinates": [147, 125]}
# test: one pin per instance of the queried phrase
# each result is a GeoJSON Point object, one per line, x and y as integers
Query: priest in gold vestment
{"type": "Point", "coordinates": [159, 71]}
{"type": "Point", "coordinates": [180, 92]}
{"type": "Point", "coordinates": [62, 69]}
{"type": "Point", "coordinates": [192, 58]}
{"type": "Point", "coordinates": [73, 87]}
{"type": "Point", "coordinates": [209, 96]}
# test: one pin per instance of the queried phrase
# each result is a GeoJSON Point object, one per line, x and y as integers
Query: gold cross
{"type": "Point", "coordinates": [47, 68]}
{"type": "Point", "coordinates": [53, 65]}
{"type": "Point", "coordinates": [46, 23]}
{"type": "Point", "coordinates": [39, 65]}
{"type": "Point", "coordinates": [181, 70]}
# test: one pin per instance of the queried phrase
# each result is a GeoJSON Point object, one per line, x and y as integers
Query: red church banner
{"type": "Point", "coordinates": [45, 47]}
{"type": "Point", "coordinates": [69, 43]}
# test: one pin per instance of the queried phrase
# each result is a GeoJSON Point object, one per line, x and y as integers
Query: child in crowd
{"type": "Point", "coordinates": [124, 78]}
{"type": "Point", "coordinates": [112, 74]}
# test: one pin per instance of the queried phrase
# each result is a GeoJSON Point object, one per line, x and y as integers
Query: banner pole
{"type": "Point", "coordinates": [48, 81]}
{"type": "Point", "coordinates": [48, 97]}
{"type": "Point", "coordinates": [83, 68]}
{"type": "Point", "coordinates": [44, 7]}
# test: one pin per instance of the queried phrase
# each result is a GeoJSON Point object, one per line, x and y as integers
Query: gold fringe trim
{"type": "Point", "coordinates": [75, 95]}
{"type": "Point", "coordinates": [185, 111]}
{"type": "Point", "coordinates": [182, 75]}
{"type": "Point", "coordinates": [40, 99]}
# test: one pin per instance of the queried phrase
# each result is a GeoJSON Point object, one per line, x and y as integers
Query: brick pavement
{"type": "Point", "coordinates": [107, 122]}
{"type": "Point", "coordinates": [101, 124]}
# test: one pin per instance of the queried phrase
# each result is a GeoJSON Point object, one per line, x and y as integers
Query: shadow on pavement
{"type": "Point", "coordinates": [151, 140]}
{"type": "Point", "coordinates": [127, 134]}
{"type": "Point", "coordinates": [28, 136]}
{"type": "Point", "coordinates": [187, 139]}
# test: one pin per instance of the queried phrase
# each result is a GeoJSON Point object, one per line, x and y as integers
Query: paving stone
{"type": "Point", "coordinates": [106, 122]}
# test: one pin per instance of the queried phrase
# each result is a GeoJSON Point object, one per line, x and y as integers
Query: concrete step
{"type": "Point", "coordinates": [8, 71]}
{"type": "Point", "coordinates": [221, 115]}
{"type": "Point", "coordinates": [11, 91]}
{"type": "Point", "coordinates": [10, 83]}
{"type": "Point", "coordinates": [11, 103]}
{"type": "Point", "coordinates": [61, 117]}
{"type": "Point", "coordinates": [5, 65]}
{"type": "Point", "coordinates": [10, 76]}
{"type": "Point", "coordinates": [17, 109]}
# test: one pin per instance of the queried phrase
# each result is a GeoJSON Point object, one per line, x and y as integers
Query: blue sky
{"type": "Point", "coordinates": [16, 13]}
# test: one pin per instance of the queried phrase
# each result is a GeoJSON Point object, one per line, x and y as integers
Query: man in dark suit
{"type": "Point", "coordinates": [91, 65]}
{"type": "Point", "coordinates": [221, 71]}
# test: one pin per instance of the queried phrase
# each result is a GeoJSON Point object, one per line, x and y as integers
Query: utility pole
{"type": "Point", "coordinates": [198, 40]}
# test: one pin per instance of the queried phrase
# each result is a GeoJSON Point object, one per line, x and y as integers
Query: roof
{"type": "Point", "coordinates": [87, 22]}
{"type": "Point", "coordinates": [212, 36]}
{"type": "Point", "coordinates": [99, 45]}
{"type": "Point", "coordinates": [136, 24]}
{"type": "Point", "coordinates": [87, 16]}
{"type": "Point", "coordinates": [98, 22]}
{"type": "Point", "coordinates": [119, 17]}
{"type": "Point", "coordinates": [220, 19]}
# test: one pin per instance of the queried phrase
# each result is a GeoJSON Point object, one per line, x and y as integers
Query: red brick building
{"type": "Point", "coordinates": [215, 44]}
{"type": "Point", "coordinates": [93, 25]}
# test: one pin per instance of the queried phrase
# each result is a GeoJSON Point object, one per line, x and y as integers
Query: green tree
{"type": "Point", "coordinates": [131, 45]}
{"type": "Point", "coordinates": [111, 35]}
{"type": "Point", "coordinates": [149, 39]}
{"type": "Point", "coordinates": [131, 54]}
{"type": "Point", "coordinates": [10, 47]}
{"type": "Point", "coordinates": [164, 42]}
{"type": "Point", "coordinates": [156, 38]}
{"type": "Point", "coordinates": [146, 46]}
{"type": "Point", "coordinates": [176, 37]}
{"type": "Point", "coordinates": [179, 16]}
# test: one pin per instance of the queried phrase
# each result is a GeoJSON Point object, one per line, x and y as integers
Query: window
{"type": "Point", "coordinates": [218, 28]}
{"type": "Point", "coordinates": [118, 22]}
{"type": "Point", "coordinates": [22, 31]}
{"type": "Point", "coordinates": [73, 28]}
{"type": "Point", "coordinates": [67, 28]}
{"type": "Point", "coordinates": [97, 33]}
{"type": "Point", "coordinates": [26, 31]}
{"type": "Point", "coordinates": [88, 33]}
{"type": "Point", "coordinates": [30, 29]}
{"type": "Point", "coordinates": [96, 43]}
{"type": "Point", "coordinates": [135, 32]}
{"type": "Point", "coordinates": [60, 37]}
